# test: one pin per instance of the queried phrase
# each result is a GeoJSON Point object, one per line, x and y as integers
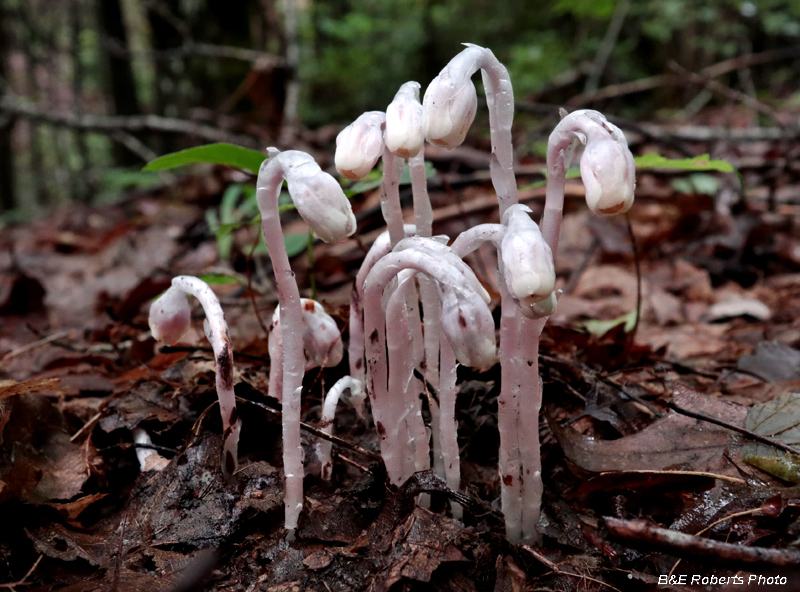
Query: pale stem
{"type": "Point", "coordinates": [423, 218]}
{"type": "Point", "coordinates": [500, 101]}
{"type": "Point", "coordinates": [387, 410]}
{"type": "Point", "coordinates": [390, 195]}
{"type": "Point", "coordinates": [216, 331]}
{"type": "Point", "coordinates": [530, 447]}
{"type": "Point", "coordinates": [448, 425]}
{"type": "Point", "coordinates": [355, 349]}
{"type": "Point", "coordinates": [328, 413]}
{"type": "Point", "coordinates": [275, 346]}
{"type": "Point", "coordinates": [270, 180]}
{"type": "Point", "coordinates": [401, 377]}
{"type": "Point", "coordinates": [513, 355]}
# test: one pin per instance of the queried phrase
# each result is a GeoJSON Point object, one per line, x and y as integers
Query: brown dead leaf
{"type": "Point", "coordinates": [674, 441]}
{"type": "Point", "coordinates": [9, 388]}
{"type": "Point", "coordinates": [39, 444]}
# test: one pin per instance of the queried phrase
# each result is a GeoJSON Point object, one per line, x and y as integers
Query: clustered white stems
{"type": "Point", "coordinates": [320, 201]}
{"type": "Point", "coordinates": [458, 326]}
{"type": "Point", "coordinates": [466, 322]}
{"type": "Point", "coordinates": [169, 320]}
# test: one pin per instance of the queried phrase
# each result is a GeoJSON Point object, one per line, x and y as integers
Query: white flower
{"type": "Point", "coordinates": [448, 108]}
{"type": "Point", "coordinates": [403, 134]}
{"type": "Point", "coordinates": [322, 341]}
{"type": "Point", "coordinates": [527, 262]}
{"type": "Point", "coordinates": [360, 145]}
{"type": "Point", "coordinates": [607, 170]}
{"type": "Point", "coordinates": [170, 316]}
{"type": "Point", "coordinates": [318, 197]}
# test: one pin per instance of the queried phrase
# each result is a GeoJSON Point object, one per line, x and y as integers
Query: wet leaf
{"type": "Point", "coordinates": [673, 441]}
{"type": "Point", "coordinates": [772, 361]}
{"type": "Point", "coordinates": [778, 419]}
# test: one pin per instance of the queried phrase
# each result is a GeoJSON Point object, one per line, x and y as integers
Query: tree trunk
{"type": "Point", "coordinates": [120, 83]}
{"type": "Point", "coordinates": [7, 197]}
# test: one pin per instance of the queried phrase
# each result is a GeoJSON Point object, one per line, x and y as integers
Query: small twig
{"type": "Point", "coordinates": [717, 523]}
{"type": "Point", "coordinates": [752, 435]}
{"type": "Point", "coordinates": [688, 545]}
{"type": "Point", "coordinates": [30, 346]}
{"type": "Point", "coordinates": [605, 380]}
{"type": "Point", "coordinates": [630, 338]}
{"type": "Point", "coordinates": [720, 89]}
{"type": "Point", "coordinates": [23, 582]}
{"type": "Point", "coordinates": [171, 349]}
{"type": "Point", "coordinates": [556, 569]}
{"type": "Point", "coordinates": [249, 264]}
{"type": "Point", "coordinates": [679, 473]}
{"type": "Point", "coordinates": [319, 433]}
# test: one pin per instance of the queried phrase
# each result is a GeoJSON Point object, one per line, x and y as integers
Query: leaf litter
{"type": "Point", "coordinates": [79, 377]}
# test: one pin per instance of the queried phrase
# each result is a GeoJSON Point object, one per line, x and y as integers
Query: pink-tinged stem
{"type": "Point", "coordinates": [423, 218]}
{"type": "Point", "coordinates": [355, 350]}
{"type": "Point", "coordinates": [401, 378]}
{"type": "Point", "coordinates": [269, 184]}
{"type": "Point", "coordinates": [387, 410]}
{"type": "Point", "coordinates": [390, 196]}
{"type": "Point", "coordinates": [326, 423]}
{"type": "Point", "coordinates": [216, 330]}
{"type": "Point", "coordinates": [448, 426]}
{"type": "Point", "coordinates": [530, 447]}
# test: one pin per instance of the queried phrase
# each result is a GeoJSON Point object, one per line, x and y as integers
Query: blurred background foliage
{"type": "Point", "coordinates": [92, 89]}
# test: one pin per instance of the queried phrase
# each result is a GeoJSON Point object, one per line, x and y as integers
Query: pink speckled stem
{"type": "Point", "coordinates": [216, 330]}
{"type": "Point", "coordinates": [269, 184]}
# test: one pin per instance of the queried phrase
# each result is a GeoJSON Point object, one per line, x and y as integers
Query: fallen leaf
{"type": "Point", "coordinates": [9, 388]}
{"type": "Point", "coordinates": [672, 441]}
{"type": "Point", "coordinates": [778, 419]}
{"type": "Point", "coordinates": [772, 361]}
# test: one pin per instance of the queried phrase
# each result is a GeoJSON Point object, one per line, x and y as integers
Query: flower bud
{"type": "Point", "coordinates": [318, 197]}
{"type": "Point", "coordinates": [448, 109]}
{"type": "Point", "coordinates": [607, 170]}
{"type": "Point", "coordinates": [322, 341]}
{"type": "Point", "coordinates": [170, 316]}
{"type": "Point", "coordinates": [360, 145]}
{"type": "Point", "coordinates": [403, 134]}
{"type": "Point", "coordinates": [527, 262]}
{"type": "Point", "coordinates": [469, 327]}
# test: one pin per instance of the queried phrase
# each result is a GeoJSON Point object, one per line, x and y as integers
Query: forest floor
{"type": "Point", "coordinates": [715, 272]}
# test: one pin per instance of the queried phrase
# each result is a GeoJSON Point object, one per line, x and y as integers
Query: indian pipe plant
{"type": "Point", "coordinates": [389, 340]}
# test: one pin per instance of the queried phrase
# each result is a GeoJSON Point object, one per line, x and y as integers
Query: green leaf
{"type": "Point", "coordinates": [220, 153]}
{"type": "Point", "coordinates": [295, 243]}
{"type": "Point", "coordinates": [600, 328]}
{"type": "Point", "coordinates": [216, 278]}
{"type": "Point", "coordinates": [778, 419]}
{"type": "Point", "coordinates": [698, 163]}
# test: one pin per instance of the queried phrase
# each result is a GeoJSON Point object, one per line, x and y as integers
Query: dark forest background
{"type": "Point", "coordinates": [90, 90]}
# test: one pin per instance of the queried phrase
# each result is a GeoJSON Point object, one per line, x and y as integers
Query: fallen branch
{"type": "Point", "coordinates": [693, 547]}
{"type": "Point", "coordinates": [128, 123]}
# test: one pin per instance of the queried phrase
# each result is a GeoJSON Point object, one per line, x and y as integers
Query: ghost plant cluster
{"type": "Point", "coordinates": [392, 341]}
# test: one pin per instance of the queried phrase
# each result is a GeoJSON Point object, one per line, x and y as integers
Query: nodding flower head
{"type": "Point", "coordinates": [170, 316]}
{"type": "Point", "coordinates": [607, 167]}
{"type": "Point", "coordinates": [322, 341]}
{"type": "Point", "coordinates": [448, 108]}
{"type": "Point", "coordinates": [404, 134]}
{"type": "Point", "coordinates": [360, 145]}
{"type": "Point", "coordinates": [527, 263]}
{"type": "Point", "coordinates": [318, 197]}
{"type": "Point", "coordinates": [468, 324]}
